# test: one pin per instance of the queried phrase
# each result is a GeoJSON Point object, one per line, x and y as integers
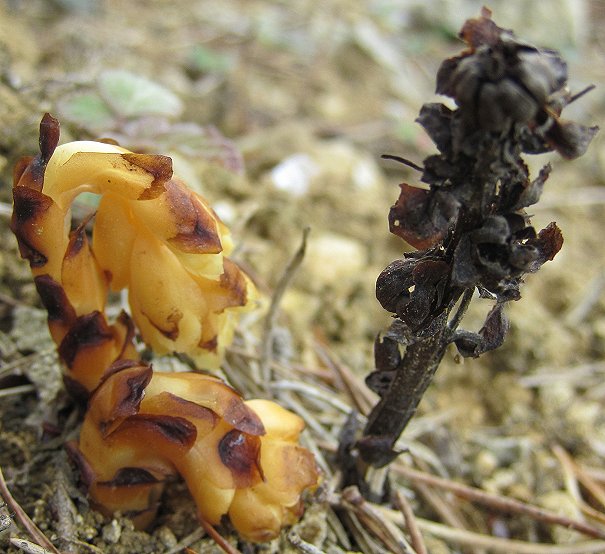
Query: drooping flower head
{"type": "Point", "coordinates": [151, 235]}
{"type": "Point", "coordinates": [162, 242]}
{"type": "Point", "coordinates": [239, 458]}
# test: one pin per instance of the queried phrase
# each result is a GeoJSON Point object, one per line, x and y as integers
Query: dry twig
{"type": "Point", "coordinates": [28, 546]}
{"type": "Point", "coordinates": [477, 540]}
{"type": "Point", "coordinates": [410, 520]}
{"type": "Point", "coordinates": [361, 397]}
{"type": "Point", "coordinates": [498, 503]}
{"type": "Point", "coordinates": [506, 546]}
{"type": "Point", "coordinates": [280, 289]}
{"type": "Point", "coordinates": [574, 475]}
{"type": "Point", "coordinates": [21, 389]}
{"type": "Point", "coordinates": [25, 520]}
{"type": "Point", "coordinates": [301, 545]}
{"type": "Point", "coordinates": [382, 529]}
{"type": "Point", "coordinates": [583, 476]}
{"type": "Point", "coordinates": [187, 541]}
{"type": "Point", "coordinates": [218, 538]}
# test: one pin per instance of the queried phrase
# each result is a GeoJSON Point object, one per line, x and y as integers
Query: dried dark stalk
{"type": "Point", "coordinates": [394, 410]}
{"type": "Point", "coordinates": [470, 227]}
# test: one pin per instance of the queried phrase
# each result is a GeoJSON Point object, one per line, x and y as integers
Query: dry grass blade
{"type": "Point", "coordinates": [569, 476]}
{"type": "Point", "coordinates": [506, 546]}
{"type": "Point", "coordinates": [10, 301]}
{"type": "Point", "coordinates": [574, 474]}
{"type": "Point", "coordinates": [364, 541]}
{"type": "Point", "coordinates": [492, 544]}
{"type": "Point", "coordinates": [499, 503]}
{"type": "Point", "coordinates": [589, 511]}
{"type": "Point", "coordinates": [580, 196]}
{"type": "Point", "coordinates": [446, 510]}
{"type": "Point", "coordinates": [336, 526]}
{"type": "Point", "coordinates": [361, 397]}
{"type": "Point", "coordinates": [596, 490]}
{"type": "Point", "coordinates": [25, 520]}
{"type": "Point", "coordinates": [22, 362]}
{"type": "Point", "coordinates": [22, 389]}
{"type": "Point", "coordinates": [474, 540]}
{"type": "Point", "coordinates": [218, 538]}
{"type": "Point", "coordinates": [382, 529]}
{"type": "Point", "coordinates": [314, 391]}
{"type": "Point", "coordinates": [302, 546]}
{"type": "Point", "coordinates": [574, 375]}
{"type": "Point", "coordinates": [592, 486]}
{"type": "Point", "coordinates": [29, 547]}
{"type": "Point", "coordinates": [282, 285]}
{"type": "Point", "coordinates": [291, 402]}
{"type": "Point", "coordinates": [189, 539]}
{"type": "Point", "coordinates": [579, 312]}
{"type": "Point", "coordinates": [410, 520]}
{"type": "Point", "coordinates": [597, 473]}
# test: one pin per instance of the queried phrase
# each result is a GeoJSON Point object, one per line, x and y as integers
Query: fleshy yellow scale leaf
{"type": "Point", "coordinates": [165, 300]}
{"type": "Point", "coordinates": [279, 422]}
{"type": "Point", "coordinates": [113, 237]}
{"type": "Point", "coordinates": [253, 518]}
{"type": "Point", "coordinates": [212, 503]}
{"type": "Point", "coordinates": [83, 280]}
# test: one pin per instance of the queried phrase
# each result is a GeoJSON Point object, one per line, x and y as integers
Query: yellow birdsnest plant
{"type": "Point", "coordinates": [162, 242]}
{"type": "Point", "coordinates": [238, 458]}
{"type": "Point", "coordinates": [151, 235]}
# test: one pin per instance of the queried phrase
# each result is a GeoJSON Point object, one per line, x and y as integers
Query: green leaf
{"type": "Point", "coordinates": [88, 110]}
{"type": "Point", "coordinates": [133, 95]}
{"type": "Point", "coordinates": [88, 200]}
{"type": "Point", "coordinates": [209, 61]}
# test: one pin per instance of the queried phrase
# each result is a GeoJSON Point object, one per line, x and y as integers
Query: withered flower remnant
{"type": "Point", "coordinates": [239, 458]}
{"type": "Point", "coordinates": [469, 227]}
{"type": "Point", "coordinates": [151, 235]}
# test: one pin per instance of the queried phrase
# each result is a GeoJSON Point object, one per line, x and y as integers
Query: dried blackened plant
{"type": "Point", "coordinates": [469, 226]}
{"type": "Point", "coordinates": [163, 243]}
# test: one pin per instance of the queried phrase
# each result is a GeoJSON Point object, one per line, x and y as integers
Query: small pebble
{"type": "Point", "coordinates": [112, 532]}
{"type": "Point", "coordinates": [88, 533]}
{"type": "Point", "coordinates": [501, 481]}
{"type": "Point", "coordinates": [294, 174]}
{"type": "Point", "coordinates": [486, 463]}
{"type": "Point", "coordinates": [166, 537]}
{"type": "Point", "coordinates": [333, 258]}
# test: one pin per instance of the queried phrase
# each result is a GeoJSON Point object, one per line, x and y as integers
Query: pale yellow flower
{"type": "Point", "coordinates": [240, 459]}
{"type": "Point", "coordinates": [151, 235]}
